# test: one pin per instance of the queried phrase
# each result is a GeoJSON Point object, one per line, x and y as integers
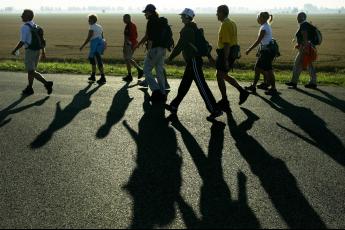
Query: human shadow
{"type": "Point", "coordinates": [156, 181]}
{"type": "Point", "coordinates": [313, 125]}
{"type": "Point", "coordinates": [218, 209]}
{"type": "Point", "coordinates": [275, 177]}
{"type": "Point", "coordinates": [63, 117]}
{"type": "Point", "coordinates": [9, 110]}
{"type": "Point", "coordinates": [116, 112]}
{"type": "Point", "coordinates": [330, 100]}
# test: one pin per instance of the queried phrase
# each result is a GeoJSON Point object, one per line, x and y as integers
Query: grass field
{"type": "Point", "coordinates": [65, 33]}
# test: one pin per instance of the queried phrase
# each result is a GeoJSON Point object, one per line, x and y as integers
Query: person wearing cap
{"type": "Point", "coordinates": [155, 54]}
{"type": "Point", "coordinates": [193, 69]}
{"type": "Point", "coordinates": [227, 37]}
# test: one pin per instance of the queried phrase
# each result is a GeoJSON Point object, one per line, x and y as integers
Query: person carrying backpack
{"type": "Point", "coordinates": [193, 70]}
{"type": "Point", "coordinates": [307, 38]}
{"type": "Point", "coordinates": [227, 39]}
{"type": "Point", "coordinates": [31, 37]}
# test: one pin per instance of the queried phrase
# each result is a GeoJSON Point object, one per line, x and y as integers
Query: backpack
{"type": "Point", "coordinates": [202, 46]}
{"type": "Point", "coordinates": [316, 36]}
{"type": "Point", "coordinates": [37, 42]}
{"type": "Point", "coordinates": [166, 37]}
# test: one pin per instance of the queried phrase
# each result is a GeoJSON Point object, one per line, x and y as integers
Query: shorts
{"type": "Point", "coordinates": [127, 52]}
{"type": "Point", "coordinates": [220, 63]}
{"type": "Point", "coordinates": [31, 59]}
{"type": "Point", "coordinates": [265, 60]}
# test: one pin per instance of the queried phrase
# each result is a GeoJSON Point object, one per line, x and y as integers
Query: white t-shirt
{"type": "Point", "coordinates": [268, 34]}
{"type": "Point", "coordinates": [97, 31]}
{"type": "Point", "coordinates": [25, 34]}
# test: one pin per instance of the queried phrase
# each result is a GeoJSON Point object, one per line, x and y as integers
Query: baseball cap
{"type": "Point", "coordinates": [188, 12]}
{"type": "Point", "coordinates": [149, 8]}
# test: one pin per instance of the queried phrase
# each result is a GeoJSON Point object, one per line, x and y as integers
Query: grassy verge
{"type": "Point", "coordinates": [117, 69]}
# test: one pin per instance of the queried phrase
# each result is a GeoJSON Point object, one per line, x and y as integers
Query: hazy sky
{"type": "Point", "coordinates": [253, 4]}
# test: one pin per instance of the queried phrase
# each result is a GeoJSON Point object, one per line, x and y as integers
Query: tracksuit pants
{"type": "Point", "coordinates": [193, 71]}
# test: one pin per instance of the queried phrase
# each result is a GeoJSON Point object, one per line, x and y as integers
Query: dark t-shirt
{"type": "Point", "coordinates": [131, 33]}
{"type": "Point", "coordinates": [153, 30]}
{"type": "Point", "coordinates": [306, 26]}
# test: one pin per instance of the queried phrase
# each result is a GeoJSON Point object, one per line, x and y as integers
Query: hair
{"type": "Point", "coordinates": [30, 14]}
{"type": "Point", "coordinates": [224, 9]}
{"type": "Point", "coordinates": [93, 17]}
{"type": "Point", "coordinates": [127, 16]}
{"type": "Point", "coordinates": [303, 15]}
{"type": "Point", "coordinates": [266, 17]}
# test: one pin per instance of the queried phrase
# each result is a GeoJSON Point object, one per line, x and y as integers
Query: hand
{"type": "Point", "coordinates": [248, 51]}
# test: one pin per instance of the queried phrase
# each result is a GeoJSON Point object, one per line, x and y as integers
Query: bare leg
{"type": "Point", "coordinates": [221, 85]}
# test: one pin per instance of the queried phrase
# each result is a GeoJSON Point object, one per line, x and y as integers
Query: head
{"type": "Point", "coordinates": [265, 17]}
{"type": "Point", "coordinates": [126, 18]}
{"type": "Point", "coordinates": [187, 15]}
{"type": "Point", "coordinates": [149, 10]}
{"type": "Point", "coordinates": [301, 17]}
{"type": "Point", "coordinates": [222, 12]}
{"type": "Point", "coordinates": [27, 15]}
{"type": "Point", "coordinates": [92, 19]}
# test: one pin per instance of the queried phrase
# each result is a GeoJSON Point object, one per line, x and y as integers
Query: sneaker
{"type": "Point", "coordinates": [140, 73]}
{"type": "Point", "coordinates": [243, 97]}
{"type": "Point", "coordinates": [214, 115]}
{"type": "Point", "coordinates": [263, 86]}
{"type": "Point", "coordinates": [102, 81]}
{"type": "Point", "coordinates": [92, 78]}
{"type": "Point", "coordinates": [171, 108]}
{"type": "Point", "coordinates": [143, 84]}
{"type": "Point", "coordinates": [128, 78]}
{"type": "Point", "coordinates": [49, 87]}
{"type": "Point", "coordinates": [224, 105]}
{"type": "Point", "coordinates": [291, 84]}
{"type": "Point", "coordinates": [271, 92]}
{"type": "Point", "coordinates": [251, 88]}
{"type": "Point", "coordinates": [310, 86]}
{"type": "Point", "coordinates": [28, 91]}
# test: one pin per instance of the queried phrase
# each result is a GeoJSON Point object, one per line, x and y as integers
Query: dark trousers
{"type": "Point", "coordinates": [194, 72]}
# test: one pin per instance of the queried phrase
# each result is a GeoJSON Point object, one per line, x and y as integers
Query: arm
{"type": "Point", "coordinates": [186, 39]}
{"type": "Point", "coordinates": [89, 36]}
{"type": "Point", "coordinates": [19, 45]}
{"type": "Point", "coordinates": [261, 36]}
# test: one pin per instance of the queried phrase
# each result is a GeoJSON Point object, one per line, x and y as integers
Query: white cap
{"type": "Point", "coordinates": [188, 12]}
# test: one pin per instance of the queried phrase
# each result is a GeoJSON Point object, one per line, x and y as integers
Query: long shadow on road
{"type": "Point", "coordinates": [218, 209]}
{"type": "Point", "coordinates": [63, 117]}
{"type": "Point", "coordinates": [12, 110]}
{"type": "Point", "coordinates": [314, 126]}
{"type": "Point", "coordinates": [116, 112]}
{"type": "Point", "coordinates": [156, 181]}
{"type": "Point", "coordinates": [275, 177]}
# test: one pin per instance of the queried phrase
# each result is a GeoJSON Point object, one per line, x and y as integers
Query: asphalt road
{"type": "Point", "coordinates": [104, 157]}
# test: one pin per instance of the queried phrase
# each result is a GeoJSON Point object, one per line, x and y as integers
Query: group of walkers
{"type": "Point", "coordinates": [193, 46]}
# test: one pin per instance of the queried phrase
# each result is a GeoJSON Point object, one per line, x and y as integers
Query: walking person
{"type": "Point", "coordinates": [265, 54]}
{"type": "Point", "coordinates": [227, 38]}
{"type": "Point", "coordinates": [193, 69]}
{"type": "Point", "coordinates": [31, 37]}
{"type": "Point", "coordinates": [97, 46]}
{"type": "Point", "coordinates": [130, 41]}
{"type": "Point", "coordinates": [155, 54]}
{"type": "Point", "coordinates": [307, 53]}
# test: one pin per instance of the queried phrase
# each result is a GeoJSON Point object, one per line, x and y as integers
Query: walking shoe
{"type": "Point", "coordinates": [49, 87]}
{"type": "Point", "coordinates": [243, 97]}
{"type": "Point", "coordinates": [310, 86]}
{"type": "Point", "coordinates": [291, 84]}
{"type": "Point", "coordinates": [263, 86]}
{"type": "Point", "coordinates": [128, 78]}
{"type": "Point", "coordinates": [271, 92]}
{"type": "Point", "coordinates": [224, 105]}
{"type": "Point", "coordinates": [214, 115]}
{"type": "Point", "coordinates": [92, 78]}
{"type": "Point", "coordinates": [171, 108]}
{"type": "Point", "coordinates": [143, 84]}
{"type": "Point", "coordinates": [140, 73]}
{"type": "Point", "coordinates": [102, 81]}
{"type": "Point", "coordinates": [251, 88]}
{"type": "Point", "coordinates": [28, 91]}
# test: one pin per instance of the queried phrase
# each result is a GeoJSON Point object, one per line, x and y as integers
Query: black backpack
{"type": "Point", "coordinates": [37, 42]}
{"type": "Point", "coordinates": [166, 37]}
{"type": "Point", "coordinates": [316, 36]}
{"type": "Point", "coordinates": [202, 46]}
